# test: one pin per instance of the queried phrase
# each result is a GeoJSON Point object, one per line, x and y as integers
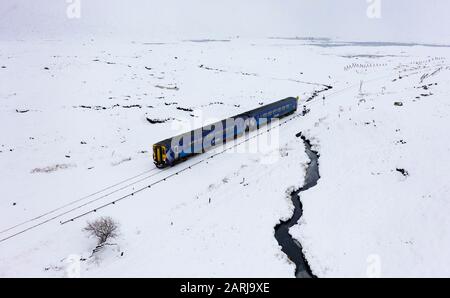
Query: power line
{"type": "Point", "coordinates": [76, 201]}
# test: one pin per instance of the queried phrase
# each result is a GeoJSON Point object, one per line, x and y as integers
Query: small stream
{"type": "Point", "coordinates": [291, 247]}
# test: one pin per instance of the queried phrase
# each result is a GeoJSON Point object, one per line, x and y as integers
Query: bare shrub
{"type": "Point", "coordinates": [103, 228]}
{"type": "Point", "coordinates": [51, 169]}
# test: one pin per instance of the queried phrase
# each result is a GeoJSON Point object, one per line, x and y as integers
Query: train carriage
{"type": "Point", "coordinates": [178, 148]}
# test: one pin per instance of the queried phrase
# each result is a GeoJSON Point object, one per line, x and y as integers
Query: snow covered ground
{"type": "Point", "coordinates": [79, 119]}
{"type": "Point", "coordinates": [382, 205]}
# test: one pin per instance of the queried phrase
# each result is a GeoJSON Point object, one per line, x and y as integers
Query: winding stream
{"type": "Point", "coordinates": [291, 247]}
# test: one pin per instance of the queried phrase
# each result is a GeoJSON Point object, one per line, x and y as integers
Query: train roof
{"type": "Point", "coordinates": [245, 114]}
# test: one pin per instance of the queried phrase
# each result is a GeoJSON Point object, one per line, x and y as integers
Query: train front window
{"type": "Point", "coordinates": [159, 153]}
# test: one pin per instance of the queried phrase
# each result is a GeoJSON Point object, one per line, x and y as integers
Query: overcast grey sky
{"type": "Point", "coordinates": [401, 20]}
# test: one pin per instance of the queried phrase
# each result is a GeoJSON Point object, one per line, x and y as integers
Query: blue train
{"type": "Point", "coordinates": [173, 150]}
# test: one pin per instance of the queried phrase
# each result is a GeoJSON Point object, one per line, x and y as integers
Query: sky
{"type": "Point", "coordinates": [145, 20]}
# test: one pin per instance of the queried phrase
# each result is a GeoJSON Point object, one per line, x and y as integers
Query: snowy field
{"type": "Point", "coordinates": [78, 122]}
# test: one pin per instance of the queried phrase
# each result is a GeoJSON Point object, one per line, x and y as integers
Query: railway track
{"type": "Point", "coordinates": [138, 185]}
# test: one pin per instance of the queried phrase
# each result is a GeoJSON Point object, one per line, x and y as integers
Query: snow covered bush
{"type": "Point", "coordinates": [103, 229]}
